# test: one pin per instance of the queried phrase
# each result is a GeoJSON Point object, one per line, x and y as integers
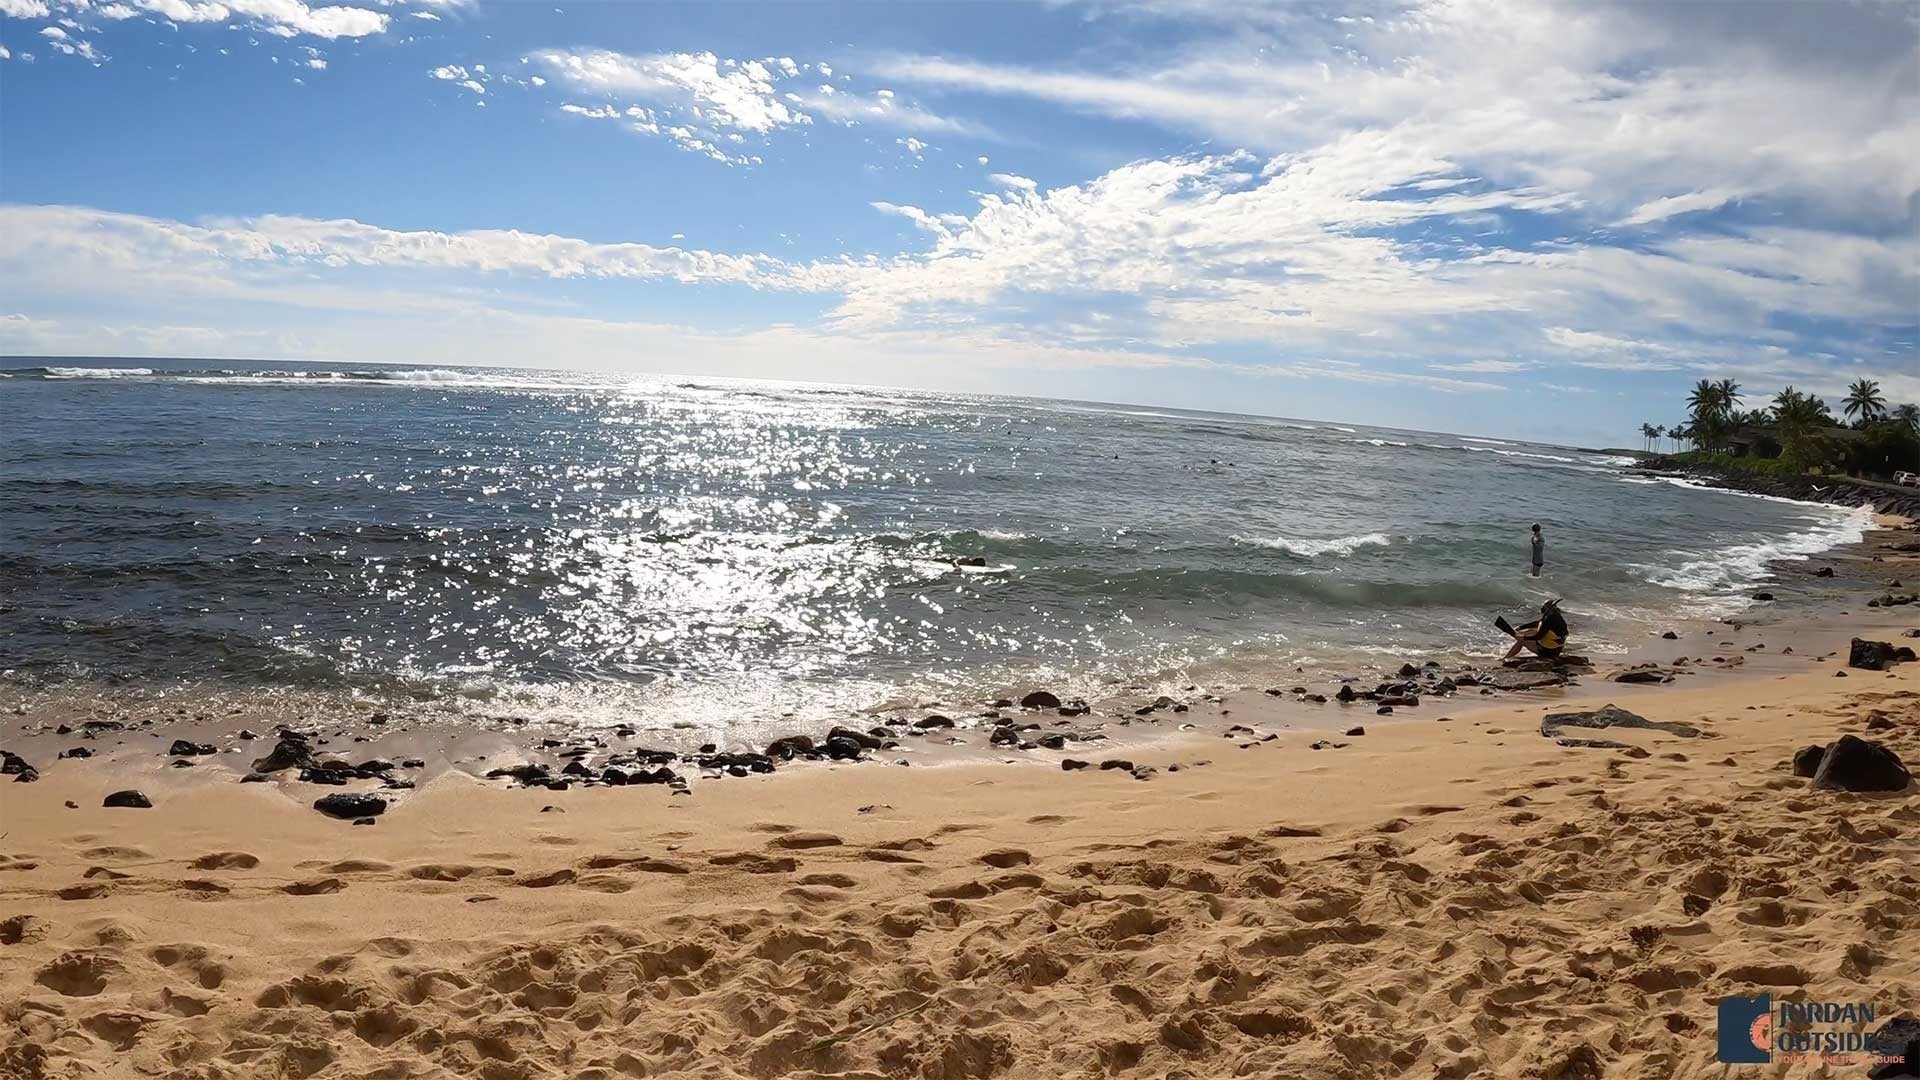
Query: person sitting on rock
{"type": "Point", "coordinates": [1545, 636]}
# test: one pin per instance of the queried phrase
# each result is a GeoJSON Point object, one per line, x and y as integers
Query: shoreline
{"type": "Point", "coordinates": [1448, 898]}
{"type": "Point", "coordinates": [223, 735]}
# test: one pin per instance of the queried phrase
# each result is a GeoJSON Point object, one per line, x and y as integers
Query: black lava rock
{"type": "Point", "coordinates": [1356, 731]}
{"type": "Point", "coordinates": [1069, 765]}
{"type": "Point", "coordinates": [1854, 764]}
{"type": "Point", "coordinates": [1040, 699]}
{"type": "Point", "coordinates": [526, 774]}
{"type": "Point", "coordinates": [790, 747]}
{"type": "Point", "coordinates": [843, 749]}
{"type": "Point", "coordinates": [1876, 655]}
{"type": "Point", "coordinates": [292, 751]}
{"type": "Point", "coordinates": [351, 805]}
{"type": "Point", "coordinates": [1345, 694]}
{"type": "Point", "coordinates": [1671, 636]}
{"type": "Point", "coordinates": [869, 740]}
{"type": "Point", "coordinates": [932, 722]}
{"type": "Point", "coordinates": [1807, 761]}
{"type": "Point", "coordinates": [1117, 763]}
{"type": "Point", "coordinates": [183, 748]}
{"type": "Point", "coordinates": [130, 800]}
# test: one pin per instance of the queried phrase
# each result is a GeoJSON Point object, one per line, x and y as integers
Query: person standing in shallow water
{"type": "Point", "coordinates": [1539, 551]}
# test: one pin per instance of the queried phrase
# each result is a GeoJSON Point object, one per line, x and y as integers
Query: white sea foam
{"type": "Point", "coordinates": [1742, 565]}
{"type": "Point", "coordinates": [1495, 442]}
{"type": "Point", "coordinates": [97, 372]}
{"type": "Point", "coordinates": [1378, 442]}
{"type": "Point", "coordinates": [1341, 545]}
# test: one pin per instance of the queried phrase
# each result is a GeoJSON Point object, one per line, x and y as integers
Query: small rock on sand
{"type": "Point", "coordinates": [129, 799]}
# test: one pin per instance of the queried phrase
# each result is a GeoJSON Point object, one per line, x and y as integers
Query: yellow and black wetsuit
{"type": "Point", "coordinates": [1552, 635]}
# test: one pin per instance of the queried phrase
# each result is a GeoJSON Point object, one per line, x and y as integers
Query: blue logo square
{"type": "Point", "coordinates": [1746, 1030]}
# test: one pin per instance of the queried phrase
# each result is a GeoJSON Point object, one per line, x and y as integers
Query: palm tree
{"type": "Point", "coordinates": [1729, 395]}
{"type": "Point", "coordinates": [1648, 433]}
{"type": "Point", "coordinates": [1864, 398]}
{"type": "Point", "coordinates": [1800, 417]}
{"type": "Point", "coordinates": [1908, 414]}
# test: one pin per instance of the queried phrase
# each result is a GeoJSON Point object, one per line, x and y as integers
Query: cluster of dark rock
{"type": "Point", "coordinates": [1893, 600]}
{"type": "Point", "coordinates": [14, 765]}
{"type": "Point", "coordinates": [1851, 763]}
{"type": "Point", "coordinates": [1415, 681]}
{"type": "Point", "coordinates": [294, 750]}
{"type": "Point", "coordinates": [1876, 655]}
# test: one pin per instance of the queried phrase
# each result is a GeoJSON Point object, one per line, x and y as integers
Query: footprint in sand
{"type": "Point", "coordinates": [356, 866]}
{"type": "Point", "coordinates": [455, 871]}
{"type": "Point", "coordinates": [22, 928]}
{"type": "Point", "coordinates": [195, 959]}
{"type": "Point", "coordinates": [801, 841]}
{"type": "Point", "coordinates": [1006, 858]}
{"type": "Point", "coordinates": [316, 887]}
{"type": "Point", "coordinates": [78, 974]}
{"type": "Point", "coordinates": [644, 864]}
{"type": "Point", "coordinates": [562, 876]}
{"type": "Point", "coordinates": [226, 860]}
{"type": "Point", "coordinates": [756, 864]}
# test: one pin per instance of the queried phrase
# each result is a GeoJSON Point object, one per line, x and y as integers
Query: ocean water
{"type": "Point", "coordinates": [714, 551]}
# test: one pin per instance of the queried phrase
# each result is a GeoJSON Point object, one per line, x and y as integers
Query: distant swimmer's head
{"type": "Point", "coordinates": [1536, 528]}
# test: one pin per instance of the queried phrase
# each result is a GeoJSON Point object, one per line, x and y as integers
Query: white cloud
{"type": "Point", "coordinates": [1670, 206]}
{"type": "Point", "coordinates": [725, 94]}
{"type": "Point", "coordinates": [1010, 180]}
{"type": "Point", "coordinates": [449, 73]}
{"type": "Point", "coordinates": [427, 15]}
{"type": "Point", "coordinates": [1628, 104]}
{"type": "Point", "coordinates": [1487, 367]}
{"type": "Point", "coordinates": [87, 240]}
{"type": "Point", "coordinates": [62, 42]}
{"type": "Point", "coordinates": [316, 63]}
{"type": "Point", "coordinates": [24, 9]}
{"type": "Point", "coordinates": [279, 18]}
{"type": "Point", "coordinates": [703, 100]}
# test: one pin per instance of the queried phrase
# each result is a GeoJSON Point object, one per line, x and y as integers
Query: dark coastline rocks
{"type": "Point", "coordinates": [1520, 679]}
{"type": "Point", "coordinates": [183, 748]}
{"type": "Point", "coordinates": [14, 765]}
{"type": "Point", "coordinates": [1876, 655]}
{"type": "Point", "coordinates": [1040, 699]}
{"type": "Point", "coordinates": [791, 747]}
{"type": "Point", "coordinates": [292, 751]}
{"type": "Point", "coordinates": [1837, 491]}
{"type": "Point", "coordinates": [128, 800]}
{"type": "Point", "coordinates": [1607, 716]}
{"type": "Point", "coordinates": [351, 806]}
{"type": "Point", "coordinates": [1850, 763]}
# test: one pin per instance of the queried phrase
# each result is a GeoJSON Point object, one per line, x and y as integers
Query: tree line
{"type": "Point", "coordinates": [1799, 429]}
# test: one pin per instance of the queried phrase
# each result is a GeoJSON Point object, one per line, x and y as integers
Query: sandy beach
{"type": "Point", "coordinates": [1449, 894]}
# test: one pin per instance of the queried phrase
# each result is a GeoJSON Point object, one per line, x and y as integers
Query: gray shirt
{"type": "Point", "coordinates": [1539, 550]}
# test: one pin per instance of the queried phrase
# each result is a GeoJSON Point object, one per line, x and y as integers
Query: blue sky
{"type": "Point", "coordinates": [1506, 218]}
